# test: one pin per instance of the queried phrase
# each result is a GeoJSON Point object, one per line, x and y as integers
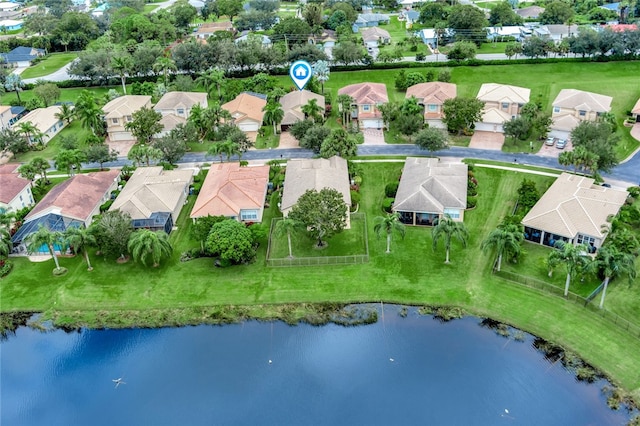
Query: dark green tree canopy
{"type": "Point", "coordinates": [323, 213]}
{"type": "Point", "coordinates": [232, 241]}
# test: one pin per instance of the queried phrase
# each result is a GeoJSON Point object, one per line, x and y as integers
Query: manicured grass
{"type": "Point", "coordinates": [53, 146]}
{"type": "Point", "coordinates": [268, 139]}
{"type": "Point", "coordinates": [516, 145]}
{"type": "Point", "coordinates": [411, 274]}
{"type": "Point", "coordinates": [66, 95]}
{"type": "Point", "coordinates": [52, 63]}
{"type": "Point", "coordinates": [148, 8]}
{"type": "Point", "coordinates": [492, 47]}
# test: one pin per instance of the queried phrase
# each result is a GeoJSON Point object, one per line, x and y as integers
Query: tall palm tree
{"type": "Point", "coordinates": [145, 245]}
{"type": "Point", "coordinates": [214, 115]}
{"type": "Point", "coordinates": [212, 80]}
{"type": "Point", "coordinates": [44, 236]}
{"type": "Point", "coordinates": [321, 71]}
{"type": "Point", "coordinates": [30, 131]}
{"type": "Point", "coordinates": [6, 218]}
{"type": "Point", "coordinates": [89, 113]}
{"type": "Point", "coordinates": [313, 110]}
{"type": "Point", "coordinates": [66, 113]}
{"type": "Point", "coordinates": [122, 65]}
{"type": "Point", "coordinates": [613, 263]}
{"type": "Point", "coordinates": [344, 104]}
{"type": "Point", "coordinates": [447, 228]}
{"type": "Point", "coordinates": [5, 242]}
{"type": "Point", "coordinates": [79, 238]}
{"type": "Point", "coordinates": [273, 114]}
{"type": "Point", "coordinates": [164, 64]}
{"type": "Point", "coordinates": [388, 224]}
{"type": "Point", "coordinates": [574, 258]}
{"type": "Point", "coordinates": [287, 226]}
{"type": "Point", "coordinates": [41, 165]}
{"type": "Point", "coordinates": [506, 240]}
{"type": "Point", "coordinates": [196, 117]}
{"type": "Point", "coordinates": [14, 83]}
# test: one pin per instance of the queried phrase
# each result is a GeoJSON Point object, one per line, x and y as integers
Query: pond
{"type": "Point", "coordinates": [408, 369]}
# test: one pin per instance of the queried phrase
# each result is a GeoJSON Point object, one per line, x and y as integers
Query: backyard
{"type": "Point", "coordinates": [191, 292]}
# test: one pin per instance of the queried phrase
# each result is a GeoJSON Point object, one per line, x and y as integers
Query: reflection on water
{"type": "Point", "coordinates": [397, 371]}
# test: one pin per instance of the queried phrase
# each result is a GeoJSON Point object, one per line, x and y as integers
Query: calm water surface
{"type": "Point", "coordinates": [412, 370]}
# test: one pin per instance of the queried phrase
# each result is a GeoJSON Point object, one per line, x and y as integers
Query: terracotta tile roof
{"type": "Point", "coordinates": [229, 188]}
{"type": "Point", "coordinates": [429, 186]}
{"type": "Point", "coordinates": [366, 93]}
{"type": "Point", "coordinates": [574, 205]}
{"type": "Point", "coordinates": [174, 100]}
{"type": "Point", "coordinates": [11, 184]}
{"type": "Point", "coordinates": [246, 105]}
{"type": "Point", "coordinates": [432, 93]}
{"type": "Point", "coordinates": [125, 105]}
{"type": "Point", "coordinates": [319, 173]}
{"type": "Point", "coordinates": [152, 190]}
{"type": "Point", "coordinates": [493, 92]}
{"type": "Point", "coordinates": [581, 100]}
{"type": "Point", "coordinates": [293, 102]}
{"type": "Point", "coordinates": [77, 196]}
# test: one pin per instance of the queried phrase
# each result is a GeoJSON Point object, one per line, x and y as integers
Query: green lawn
{"type": "Point", "coordinates": [268, 139]}
{"type": "Point", "coordinates": [66, 95]}
{"type": "Point", "coordinates": [53, 147]}
{"type": "Point", "coordinates": [52, 63]}
{"type": "Point", "coordinates": [492, 48]}
{"type": "Point", "coordinates": [412, 274]}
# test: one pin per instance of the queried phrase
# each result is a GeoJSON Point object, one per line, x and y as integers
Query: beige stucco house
{"type": "Point", "coordinates": [366, 97]}
{"type": "Point", "coordinates": [292, 104]}
{"type": "Point", "coordinates": [429, 190]}
{"type": "Point", "coordinates": [572, 106]}
{"type": "Point", "coordinates": [45, 120]}
{"type": "Point", "coordinates": [176, 107]}
{"type": "Point", "coordinates": [232, 191]}
{"type": "Point", "coordinates": [374, 36]}
{"type": "Point", "coordinates": [246, 110]}
{"type": "Point", "coordinates": [573, 210]}
{"type": "Point", "coordinates": [154, 197]}
{"type": "Point", "coordinates": [432, 96]}
{"type": "Point", "coordinates": [119, 112]}
{"type": "Point", "coordinates": [502, 102]}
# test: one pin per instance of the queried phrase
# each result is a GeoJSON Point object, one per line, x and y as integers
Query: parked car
{"type": "Point", "coordinates": [561, 143]}
{"type": "Point", "coordinates": [606, 185]}
{"type": "Point", "coordinates": [550, 141]}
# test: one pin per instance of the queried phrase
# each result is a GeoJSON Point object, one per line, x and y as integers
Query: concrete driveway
{"type": "Point", "coordinates": [552, 151]}
{"type": "Point", "coordinates": [373, 137]}
{"type": "Point", "coordinates": [487, 140]}
{"type": "Point", "coordinates": [288, 141]}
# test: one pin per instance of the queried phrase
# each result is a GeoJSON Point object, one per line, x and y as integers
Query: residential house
{"type": "Point", "coordinates": [10, 10]}
{"type": "Point", "coordinates": [17, 112]}
{"type": "Point", "coordinates": [621, 28]}
{"type": "Point", "coordinates": [233, 191]}
{"type": "Point", "coordinates": [500, 33]}
{"type": "Point", "coordinates": [556, 32]}
{"type": "Point", "coordinates": [175, 108]}
{"type": "Point", "coordinates": [374, 36]}
{"type": "Point", "coordinates": [611, 6]}
{"type": "Point", "coordinates": [408, 4]}
{"type": "Point", "coordinates": [410, 17]}
{"type": "Point", "coordinates": [501, 103]}
{"type": "Point", "coordinates": [574, 210]}
{"type": "Point", "coordinates": [22, 56]}
{"type": "Point", "coordinates": [369, 20]}
{"type": "Point", "coordinates": [15, 191]}
{"type": "Point", "coordinates": [366, 97]}
{"type": "Point", "coordinates": [208, 29]}
{"type": "Point", "coordinates": [292, 104]}
{"type": "Point", "coordinates": [119, 112]}
{"type": "Point", "coordinates": [635, 112]}
{"type": "Point", "coordinates": [11, 24]}
{"type": "Point", "coordinates": [432, 96]}
{"type": "Point", "coordinates": [246, 110]}
{"type": "Point", "coordinates": [72, 203]}
{"type": "Point", "coordinates": [5, 117]}
{"type": "Point", "coordinates": [572, 106]}
{"type": "Point", "coordinates": [154, 197]}
{"type": "Point", "coordinates": [326, 41]}
{"type": "Point", "coordinates": [315, 174]}
{"type": "Point", "coordinates": [429, 36]}
{"type": "Point", "coordinates": [45, 120]}
{"type": "Point", "coordinates": [265, 41]}
{"type": "Point", "coordinates": [429, 190]}
{"type": "Point", "coordinates": [531, 12]}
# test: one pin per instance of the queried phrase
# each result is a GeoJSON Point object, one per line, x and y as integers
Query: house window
{"type": "Point", "coordinates": [248, 215]}
{"type": "Point", "coordinates": [505, 105]}
{"type": "Point", "coordinates": [180, 111]}
{"type": "Point", "coordinates": [582, 113]}
{"type": "Point", "coordinates": [114, 121]}
{"type": "Point", "coordinates": [129, 118]}
{"type": "Point", "coordinates": [366, 107]}
{"type": "Point", "coordinates": [556, 109]}
{"type": "Point", "coordinates": [585, 239]}
{"type": "Point", "coordinates": [432, 107]}
{"type": "Point", "coordinates": [453, 213]}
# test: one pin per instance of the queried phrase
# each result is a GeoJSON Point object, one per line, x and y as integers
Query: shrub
{"type": "Point", "coordinates": [105, 206]}
{"type": "Point", "coordinates": [391, 189]}
{"type": "Point", "coordinates": [5, 267]}
{"type": "Point", "coordinates": [387, 203]}
{"type": "Point", "coordinates": [355, 198]}
{"type": "Point", "coordinates": [471, 202]}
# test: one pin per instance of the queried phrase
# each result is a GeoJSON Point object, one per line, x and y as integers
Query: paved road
{"type": "Point", "coordinates": [61, 75]}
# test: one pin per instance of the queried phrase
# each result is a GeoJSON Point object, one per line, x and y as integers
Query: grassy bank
{"type": "Point", "coordinates": [51, 64]}
{"type": "Point", "coordinates": [193, 292]}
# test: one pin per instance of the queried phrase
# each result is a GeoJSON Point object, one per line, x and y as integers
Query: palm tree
{"type": "Point", "coordinates": [30, 131]}
{"type": "Point", "coordinates": [88, 111]}
{"type": "Point", "coordinates": [447, 228]}
{"type": "Point", "coordinates": [5, 242]}
{"type": "Point", "coordinates": [218, 148]}
{"type": "Point", "coordinates": [41, 165]}
{"type": "Point", "coordinates": [273, 114]}
{"type": "Point", "coordinates": [212, 80]}
{"type": "Point", "coordinates": [196, 117]}
{"type": "Point", "coordinates": [613, 263]}
{"type": "Point", "coordinates": [344, 104]}
{"type": "Point", "coordinates": [214, 115]}
{"type": "Point", "coordinates": [79, 238]}
{"type": "Point", "coordinates": [389, 223]}
{"type": "Point", "coordinates": [164, 64]}
{"type": "Point", "coordinates": [145, 244]}
{"type": "Point", "coordinates": [14, 83]}
{"type": "Point", "coordinates": [287, 226]}
{"type": "Point", "coordinates": [122, 65]}
{"type": "Point", "coordinates": [44, 236]}
{"type": "Point", "coordinates": [321, 71]}
{"type": "Point", "coordinates": [506, 240]}
{"type": "Point", "coordinates": [313, 110]}
{"type": "Point", "coordinates": [574, 258]}
{"type": "Point", "coordinates": [66, 113]}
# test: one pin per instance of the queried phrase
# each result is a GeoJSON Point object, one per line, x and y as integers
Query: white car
{"type": "Point", "coordinates": [550, 141]}
{"type": "Point", "coordinates": [561, 143]}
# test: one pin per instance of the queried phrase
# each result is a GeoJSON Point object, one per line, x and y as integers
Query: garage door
{"type": "Point", "coordinates": [248, 127]}
{"type": "Point", "coordinates": [489, 127]}
{"type": "Point", "coordinates": [121, 136]}
{"type": "Point", "coordinates": [560, 134]}
{"type": "Point", "coordinates": [371, 124]}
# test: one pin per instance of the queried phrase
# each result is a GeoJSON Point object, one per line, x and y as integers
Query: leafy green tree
{"type": "Point", "coordinates": [145, 245]}
{"type": "Point", "coordinates": [528, 194]}
{"type": "Point", "coordinates": [5, 242]}
{"type": "Point", "coordinates": [348, 52]}
{"type": "Point", "coordinates": [556, 12]}
{"type": "Point", "coordinates": [112, 232]}
{"type": "Point", "coordinates": [506, 240]}
{"type": "Point", "coordinates": [100, 154]}
{"type": "Point", "coordinates": [388, 224]}
{"type": "Point", "coordinates": [230, 8]}
{"type": "Point", "coordinates": [314, 137]}
{"type": "Point", "coordinates": [502, 14]}
{"type": "Point", "coordinates": [613, 263]}
{"type": "Point", "coordinates": [232, 241]}
{"type": "Point", "coordinates": [469, 22]}
{"type": "Point", "coordinates": [461, 113]}
{"type": "Point", "coordinates": [70, 160]}
{"type": "Point", "coordinates": [512, 49]}
{"type": "Point", "coordinates": [14, 83]}
{"type": "Point", "coordinates": [27, 171]}
{"type": "Point", "coordinates": [171, 146]}
{"type": "Point", "coordinates": [446, 228]}
{"type": "Point", "coordinates": [389, 111]}
{"type": "Point", "coordinates": [201, 228]}
{"type": "Point", "coordinates": [164, 65]}
{"type": "Point", "coordinates": [599, 139]}
{"type": "Point", "coordinates": [462, 50]}
{"type": "Point", "coordinates": [323, 213]}
{"type": "Point", "coordinates": [534, 47]}
{"type": "Point", "coordinates": [89, 113]}
{"type": "Point", "coordinates": [287, 226]}
{"type": "Point", "coordinates": [141, 153]}
{"type": "Point", "coordinates": [214, 79]}
{"type": "Point", "coordinates": [10, 140]}
{"type": "Point", "coordinates": [145, 125]}
{"type": "Point", "coordinates": [573, 256]}
{"type": "Point", "coordinates": [48, 93]}
{"type": "Point", "coordinates": [31, 133]}
{"type": "Point", "coordinates": [432, 13]}
{"type": "Point", "coordinates": [432, 139]}
{"type": "Point", "coordinates": [79, 238]}
{"type": "Point", "coordinates": [517, 128]}
{"type": "Point", "coordinates": [300, 128]}
{"type": "Point", "coordinates": [313, 111]}
{"type": "Point", "coordinates": [45, 237]}
{"type": "Point", "coordinates": [345, 103]}
{"type": "Point", "coordinates": [339, 143]}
